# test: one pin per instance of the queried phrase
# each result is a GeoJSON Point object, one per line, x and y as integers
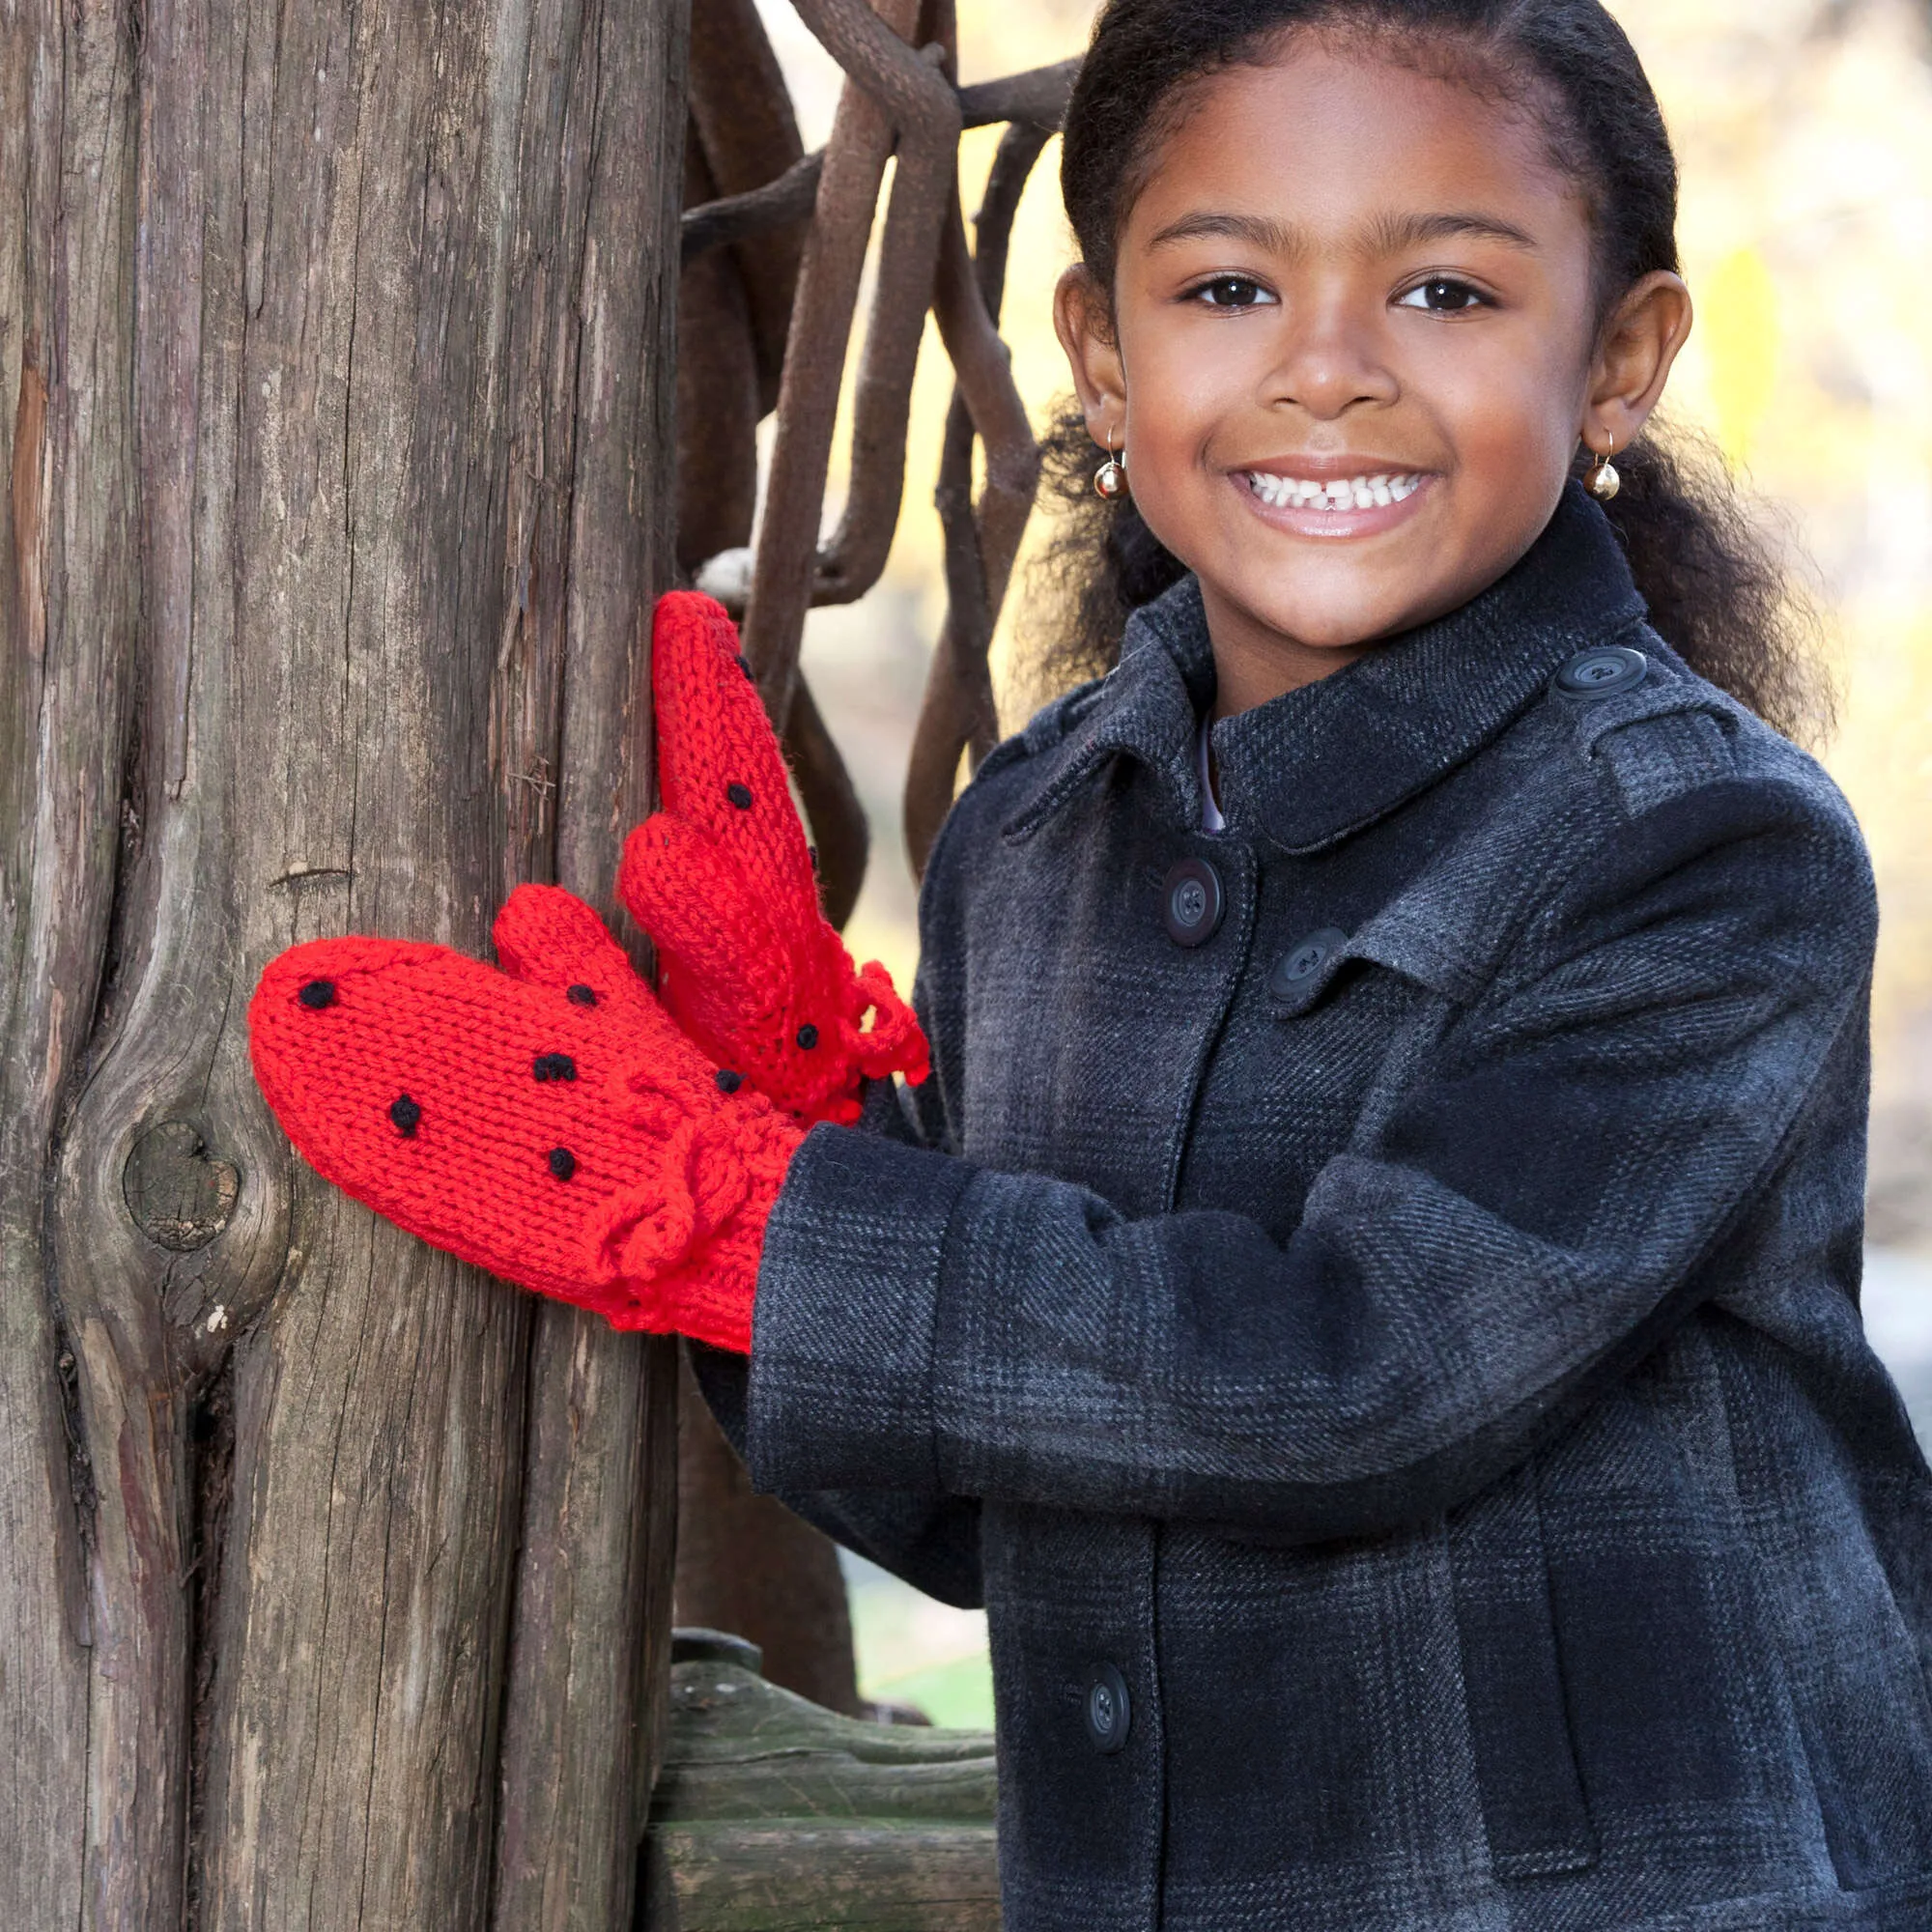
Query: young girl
{"type": "Point", "coordinates": [1367, 1297]}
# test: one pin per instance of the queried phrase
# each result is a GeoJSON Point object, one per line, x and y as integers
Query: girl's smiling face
{"type": "Point", "coordinates": [1353, 342]}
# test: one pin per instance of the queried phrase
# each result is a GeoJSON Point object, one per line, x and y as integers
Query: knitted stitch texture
{"type": "Point", "coordinates": [548, 1122]}
{"type": "Point", "coordinates": [723, 882]}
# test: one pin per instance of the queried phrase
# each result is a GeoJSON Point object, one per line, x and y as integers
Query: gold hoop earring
{"type": "Point", "coordinates": [1600, 479]}
{"type": "Point", "coordinates": [1110, 480]}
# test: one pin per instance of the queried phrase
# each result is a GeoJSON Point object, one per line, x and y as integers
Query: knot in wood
{"type": "Point", "coordinates": [180, 1195]}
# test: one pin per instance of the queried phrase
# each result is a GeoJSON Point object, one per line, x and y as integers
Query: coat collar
{"type": "Point", "coordinates": [1315, 764]}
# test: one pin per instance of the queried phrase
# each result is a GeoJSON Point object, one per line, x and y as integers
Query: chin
{"type": "Point", "coordinates": [1327, 622]}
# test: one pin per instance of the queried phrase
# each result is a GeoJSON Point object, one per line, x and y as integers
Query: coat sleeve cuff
{"type": "Point", "coordinates": [720, 1377]}
{"type": "Point", "coordinates": [843, 1331]}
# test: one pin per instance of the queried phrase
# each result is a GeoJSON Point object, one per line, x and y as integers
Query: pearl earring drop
{"type": "Point", "coordinates": [1600, 479]}
{"type": "Point", "coordinates": [1110, 480]}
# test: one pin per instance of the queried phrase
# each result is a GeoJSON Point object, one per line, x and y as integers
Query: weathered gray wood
{"type": "Point", "coordinates": [336, 379]}
{"type": "Point", "coordinates": [68, 597]}
{"type": "Point", "coordinates": [596, 512]}
{"type": "Point", "coordinates": [772, 1814]}
{"type": "Point", "coordinates": [789, 1876]}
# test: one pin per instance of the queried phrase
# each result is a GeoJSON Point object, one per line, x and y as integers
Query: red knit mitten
{"type": "Point", "coordinates": [723, 880]}
{"type": "Point", "coordinates": [548, 1121]}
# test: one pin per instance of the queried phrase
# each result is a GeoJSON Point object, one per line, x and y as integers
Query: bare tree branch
{"type": "Point", "coordinates": [894, 98]}
{"type": "Point", "coordinates": [849, 564]}
{"type": "Point", "coordinates": [958, 712]}
{"type": "Point", "coordinates": [737, 217]}
{"type": "Point", "coordinates": [749, 138]}
{"type": "Point", "coordinates": [1037, 97]}
{"type": "Point", "coordinates": [840, 833]}
{"type": "Point", "coordinates": [717, 395]}
{"type": "Point", "coordinates": [821, 320]}
{"type": "Point", "coordinates": [893, 90]}
{"type": "Point", "coordinates": [1019, 148]}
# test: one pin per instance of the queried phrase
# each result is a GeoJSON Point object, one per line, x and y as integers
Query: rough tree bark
{"type": "Point", "coordinates": [335, 380]}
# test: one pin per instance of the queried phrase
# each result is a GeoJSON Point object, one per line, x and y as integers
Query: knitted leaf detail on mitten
{"type": "Point", "coordinates": [548, 1121]}
{"type": "Point", "coordinates": [723, 880]}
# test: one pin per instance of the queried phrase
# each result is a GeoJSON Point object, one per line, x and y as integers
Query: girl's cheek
{"type": "Point", "coordinates": [1191, 389]}
{"type": "Point", "coordinates": [1511, 398]}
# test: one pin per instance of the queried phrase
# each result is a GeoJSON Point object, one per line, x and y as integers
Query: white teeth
{"type": "Point", "coordinates": [1352, 493]}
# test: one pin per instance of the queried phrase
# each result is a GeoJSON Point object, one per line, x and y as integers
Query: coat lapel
{"type": "Point", "coordinates": [1318, 763]}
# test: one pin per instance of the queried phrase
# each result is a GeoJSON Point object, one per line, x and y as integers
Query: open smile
{"type": "Point", "coordinates": [1333, 507]}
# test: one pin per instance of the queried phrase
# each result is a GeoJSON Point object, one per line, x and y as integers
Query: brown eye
{"type": "Point", "coordinates": [1230, 292]}
{"type": "Point", "coordinates": [1443, 295]}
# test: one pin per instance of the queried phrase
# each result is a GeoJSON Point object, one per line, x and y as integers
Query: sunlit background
{"type": "Point", "coordinates": [1805, 132]}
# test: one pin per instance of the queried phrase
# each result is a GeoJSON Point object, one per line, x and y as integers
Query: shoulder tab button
{"type": "Point", "coordinates": [1302, 961]}
{"type": "Point", "coordinates": [1604, 671]}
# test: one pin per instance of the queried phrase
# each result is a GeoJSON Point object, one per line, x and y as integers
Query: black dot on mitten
{"type": "Point", "coordinates": [405, 1114]}
{"type": "Point", "coordinates": [808, 1035]}
{"type": "Point", "coordinates": [553, 1066]}
{"type": "Point", "coordinates": [562, 1163]}
{"type": "Point", "coordinates": [745, 665]}
{"type": "Point", "coordinates": [581, 996]}
{"type": "Point", "coordinates": [727, 1081]}
{"type": "Point", "coordinates": [740, 795]}
{"type": "Point", "coordinates": [317, 994]}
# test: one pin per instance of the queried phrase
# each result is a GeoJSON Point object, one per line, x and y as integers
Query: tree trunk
{"type": "Point", "coordinates": [745, 1564]}
{"type": "Point", "coordinates": [333, 1574]}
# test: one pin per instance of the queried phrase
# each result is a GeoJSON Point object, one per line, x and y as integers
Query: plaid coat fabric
{"type": "Point", "coordinates": [1369, 1301]}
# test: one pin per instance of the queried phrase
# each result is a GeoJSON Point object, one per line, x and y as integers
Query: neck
{"type": "Point", "coordinates": [1253, 664]}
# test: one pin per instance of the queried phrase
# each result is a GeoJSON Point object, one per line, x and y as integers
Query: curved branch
{"type": "Point", "coordinates": [736, 217]}
{"type": "Point", "coordinates": [958, 712]}
{"type": "Point", "coordinates": [749, 138]}
{"type": "Point", "coordinates": [821, 320]}
{"type": "Point", "coordinates": [1012, 167]}
{"type": "Point", "coordinates": [924, 178]}
{"type": "Point", "coordinates": [1037, 97]}
{"type": "Point", "coordinates": [717, 397]}
{"type": "Point", "coordinates": [840, 832]}
{"type": "Point", "coordinates": [1034, 100]}
{"type": "Point", "coordinates": [872, 50]}
{"type": "Point", "coordinates": [893, 90]}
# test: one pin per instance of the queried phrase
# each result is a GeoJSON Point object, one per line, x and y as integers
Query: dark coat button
{"type": "Point", "coordinates": [1602, 673]}
{"type": "Point", "coordinates": [1302, 961]}
{"type": "Point", "coordinates": [1192, 902]}
{"type": "Point", "coordinates": [1109, 1709]}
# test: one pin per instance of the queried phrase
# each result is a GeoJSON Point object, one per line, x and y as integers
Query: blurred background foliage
{"type": "Point", "coordinates": [1803, 129]}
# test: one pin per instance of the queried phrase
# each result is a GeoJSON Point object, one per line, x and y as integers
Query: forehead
{"type": "Point", "coordinates": [1332, 138]}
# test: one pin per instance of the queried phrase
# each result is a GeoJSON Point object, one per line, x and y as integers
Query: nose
{"type": "Point", "coordinates": [1330, 362]}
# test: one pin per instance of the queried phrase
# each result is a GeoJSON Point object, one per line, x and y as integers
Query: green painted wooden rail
{"type": "Point", "coordinates": [771, 1814]}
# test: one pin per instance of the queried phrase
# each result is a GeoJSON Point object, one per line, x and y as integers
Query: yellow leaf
{"type": "Point", "coordinates": [1738, 310]}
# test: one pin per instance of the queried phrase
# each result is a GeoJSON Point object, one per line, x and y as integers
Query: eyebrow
{"type": "Point", "coordinates": [1395, 234]}
{"type": "Point", "coordinates": [1392, 235]}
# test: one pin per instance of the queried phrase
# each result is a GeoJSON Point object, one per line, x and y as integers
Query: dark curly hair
{"type": "Point", "coordinates": [1717, 580]}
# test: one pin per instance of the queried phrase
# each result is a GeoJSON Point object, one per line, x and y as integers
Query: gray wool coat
{"type": "Point", "coordinates": [1369, 1301]}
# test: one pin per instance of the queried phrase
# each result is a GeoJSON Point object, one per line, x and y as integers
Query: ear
{"type": "Point", "coordinates": [1638, 345]}
{"type": "Point", "coordinates": [1085, 332]}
